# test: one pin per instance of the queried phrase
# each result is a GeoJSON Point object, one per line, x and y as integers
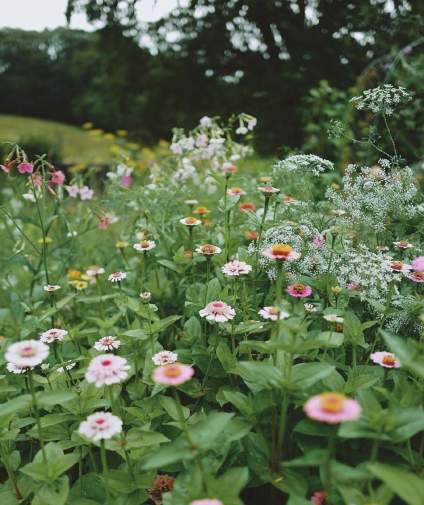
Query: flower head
{"type": "Point", "coordinates": [94, 271]}
{"type": "Point", "coordinates": [417, 276]}
{"type": "Point", "coordinates": [385, 359]}
{"type": "Point", "coordinates": [235, 268]}
{"type": "Point", "coordinates": [251, 235]}
{"type": "Point", "coordinates": [418, 263]}
{"type": "Point", "coordinates": [299, 290]}
{"type": "Point", "coordinates": [145, 245]}
{"type": "Point", "coordinates": [208, 249]}
{"type": "Point", "coordinates": [173, 374]}
{"type": "Point", "coordinates": [87, 193]}
{"type": "Point", "coordinates": [73, 190]}
{"type": "Point", "coordinates": [25, 167]}
{"type": "Point", "coordinates": [236, 191]}
{"type": "Point", "coordinates": [332, 408]}
{"type": "Point", "coordinates": [100, 426]}
{"type": "Point", "coordinates": [107, 369]}
{"type": "Point", "coordinates": [27, 353]}
{"type": "Point", "coordinates": [281, 252]}
{"type": "Point", "coordinates": [108, 343]}
{"type": "Point", "coordinates": [18, 370]}
{"type": "Point", "coordinates": [398, 266]}
{"type": "Point", "coordinates": [273, 313]}
{"type": "Point", "coordinates": [145, 297]}
{"type": "Point", "coordinates": [162, 484]}
{"type": "Point", "coordinates": [190, 221]}
{"type": "Point", "coordinates": [319, 498]}
{"type": "Point", "coordinates": [164, 358]}
{"type": "Point", "coordinates": [310, 307]}
{"type": "Point", "coordinates": [117, 276]}
{"type": "Point", "coordinates": [403, 244]}
{"type": "Point", "coordinates": [51, 288]}
{"type": "Point", "coordinates": [333, 318]}
{"type": "Point", "coordinates": [247, 206]}
{"type": "Point", "coordinates": [218, 311]}
{"type": "Point", "coordinates": [53, 335]}
{"type": "Point", "coordinates": [201, 211]}
{"type": "Point", "coordinates": [57, 178]}
{"type": "Point", "coordinates": [191, 203]}
{"type": "Point", "coordinates": [268, 190]}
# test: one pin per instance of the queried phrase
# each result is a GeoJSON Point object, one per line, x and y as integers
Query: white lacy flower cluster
{"type": "Point", "coordinates": [404, 317]}
{"type": "Point", "coordinates": [382, 99]}
{"type": "Point", "coordinates": [367, 271]}
{"type": "Point", "coordinates": [369, 196]}
{"type": "Point", "coordinates": [305, 163]}
{"type": "Point", "coordinates": [209, 142]}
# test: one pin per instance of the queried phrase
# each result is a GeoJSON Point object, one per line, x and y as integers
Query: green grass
{"type": "Point", "coordinates": [76, 144]}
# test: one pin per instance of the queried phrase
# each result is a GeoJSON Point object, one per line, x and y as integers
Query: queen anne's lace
{"type": "Point", "coordinates": [305, 163]}
{"type": "Point", "coordinates": [382, 99]}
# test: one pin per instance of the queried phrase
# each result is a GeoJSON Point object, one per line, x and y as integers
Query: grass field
{"type": "Point", "coordinates": [76, 144]}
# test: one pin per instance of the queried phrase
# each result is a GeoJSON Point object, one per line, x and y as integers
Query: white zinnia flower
{"type": "Point", "coordinates": [53, 335]}
{"type": "Point", "coordinates": [164, 358]}
{"type": "Point", "coordinates": [108, 343]}
{"type": "Point", "coordinates": [100, 426]}
{"type": "Point", "coordinates": [27, 353]}
{"type": "Point", "coordinates": [107, 369]}
{"type": "Point", "coordinates": [218, 311]}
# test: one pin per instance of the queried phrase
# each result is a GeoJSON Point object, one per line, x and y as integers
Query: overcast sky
{"type": "Point", "coordinates": [40, 14]}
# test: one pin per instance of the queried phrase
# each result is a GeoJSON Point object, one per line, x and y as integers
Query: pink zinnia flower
{"type": "Point", "coordinates": [418, 263]}
{"type": "Point", "coordinates": [27, 353]}
{"type": "Point", "coordinates": [117, 276]}
{"type": "Point", "coordinates": [190, 221]}
{"type": "Point", "coordinates": [299, 290]}
{"type": "Point", "coordinates": [53, 335]}
{"type": "Point", "coordinates": [416, 276]}
{"type": "Point", "coordinates": [332, 408]}
{"type": "Point", "coordinates": [94, 271]}
{"type": "Point", "coordinates": [268, 190]}
{"type": "Point", "coordinates": [100, 426]}
{"type": "Point", "coordinates": [173, 374]}
{"type": "Point", "coordinates": [107, 369]}
{"type": "Point", "coordinates": [319, 240]}
{"type": "Point", "coordinates": [385, 359]}
{"type": "Point", "coordinates": [283, 252]}
{"type": "Point", "coordinates": [57, 178]}
{"type": "Point", "coordinates": [25, 167]}
{"type": "Point", "coordinates": [207, 501]}
{"type": "Point", "coordinates": [164, 358]}
{"type": "Point", "coordinates": [319, 498]}
{"type": "Point", "coordinates": [126, 181]}
{"type": "Point", "coordinates": [273, 313]}
{"type": "Point", "coordinates": [235, 268]}
{"type": "Point", "coordinates": [218, 311]}
{"type": "Point", "coordinates": [398, 266]}
{"type": "Point", "coordinates": [236, 191]}
{"type": "Point", "coordinates": [108, 343]}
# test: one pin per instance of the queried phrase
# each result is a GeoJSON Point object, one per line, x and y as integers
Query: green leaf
{"type": "Point", "coordinates": [226, 357]}
{"type": "Point", "coordinates": [352, 329]}
{"type": "Point", "coordinates": [15, 405]}
{"type": "Point", "coordinates": [408, 352]}
{"type": "Point", "coordinates": [137, 334]}
{"type": "Point", "coordinates": [55, 493]}
{"type": "Point", "coordinates": [52, 398]}
{"type": "Point", "coordinates": [305, 375]}
{"type": "Point", "coordinates": [260, 375]}
{"type": "Point", "coordinates": [407, 485]}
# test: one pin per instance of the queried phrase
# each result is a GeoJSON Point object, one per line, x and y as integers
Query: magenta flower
{"type": "Point", "coordinates": [57, 178]}
{"type": "Point", "coordinates": [299, 290]}
{"type": "Point", "coordinates": [126, 181]}
{"type": "Point", "coordinates": [173, 374]}
{"type": "Point", "coordinates": [319, 498]}
{"type": "Point", "coordinates": [25, 167]}
{"type": "Point", "coordinates": [418, 263]}
{"type": "Point", "coordinates": [332, 408]}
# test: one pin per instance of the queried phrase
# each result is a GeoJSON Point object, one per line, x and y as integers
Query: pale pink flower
{"type": "Point", "coordinates": [207, 501]}
{"type": "Point", "coordinates": [107, 369]}
{"type": "Point", "coordinates": [86, 193]}
{"type": "Point", "coordinates": [229, 168]}
{"type": "Point", "coordinates": [117, 276]}
{"type": "Point", "coordinates": [417, 276]}
{"type": "Point", "coordinates": [403, 244]}
{"type": "Point", "coordinates": [173, 374]}
{"type": "Point", "coordinates": [332, 408]}
{"type": "Point", "coordinates": [282, 252]}
{"type": "Point", "coordinates": [398, 266]}
{"type": "Point", "coordinates": [145, 296]}
{"type": "Point", "coordinates": [36, 180]}
{"type": "Point", "coordinates": [100, 426]}
{"type": "Point", "coordinates": [299, 290]}
{"type": "Point", "coordinates": [319, 240]}
{"type": "Point", "coordinates": [190, 221]}
{"type": "Point", "coordinates": [385, 359]}
{"type": "Point", "coordinates": [73, 191]}
{"type": "Point", "coordinates": [418, 263]}
{"type": "Point", "coordinates": [126, 181]}
{"type": "Point", "coordinates": [25, 167]}
{"type": "Point", "coordinates": [53, 335]}
{"type": "Point", "coordinates": [27, 353]}
{"type": "Point", "coordinates": [272, 313]}
{"type": "Point", "coordinates": [57, 178]}
{"type": "Point", "coordinates": [236, 191]}
{"type": "Point", "coordinates": [94, 271]}
{"type": "Point", "coordinates": [208, 249]}
{"type": "Point", "coordinates": [218, 311]}
{"type": "Point", "coordinates": [7, 166]}
{"type": "Point", "coordinates": [164, 358]}
{"type": "Point", "coordinates": [145, 245]}
{"type": "Point", "coordinates": [51, 288]}
{"type": "Point", "coordinates": [18, 370]}
{"type": "Point", "coordinates": [108, 343]}
{"type": "Point", "coordinates": [268, 190]}
{"type": "Point", "coordinates": [353, 286]}
{"type": "Point", "coordinates": [319, 498]}
{"type": "Point", "coordinates": [235, 268]}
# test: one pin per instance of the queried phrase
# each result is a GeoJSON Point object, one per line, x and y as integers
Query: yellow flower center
{"type": "Point", "coordinates": [281, 249]}
{"type": "Point", "coordinates": [389, 360]}
{"type": "Point", "coordinates": [332, 402]}
{"type": "Point", "coordinates": [190, 220]}
{"type": "Point", "coordinates": [299, 287]}
{"type": "Point", "coordinates": [172, 370]}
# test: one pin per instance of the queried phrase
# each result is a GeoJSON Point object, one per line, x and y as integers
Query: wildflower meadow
{"type": "Point", "coordinates": [208, 330]}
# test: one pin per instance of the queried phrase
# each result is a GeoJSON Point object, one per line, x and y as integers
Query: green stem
{"type": "Point", "coordinates": [37, 415]}
{"type": "Point", "coordinates": [105, 469]}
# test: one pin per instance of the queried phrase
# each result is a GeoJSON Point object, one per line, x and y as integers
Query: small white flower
{"type": "Point", "coordinates": [100, 426]}
{"type": "Point", "coordinates": [29, 197]}
{"type": "Point", "coordinates": [68, 366]}
{"type": "Point", "coordinates": [94, 270]}
{"type": "Point", "coordinates": [273, 313]}
{"type": "Point", "coordinates": [190, 221]}
{"type": "Point", "coordinates": [50, 288]}
{"type": "Point", "coordinates": [145, 245]}
{"type": "Point", "coordinates": [333, 318]}
{"type": "Point", "coordinates": [108, 343]}
{"type": "Point", "coordinates": [117, 276]}
{"type": "Point", "coordinates": [53, 335]}
{"type": "Point", "coordinates": [146, 296]}
{"type": "Point", "coordinates": [236, 268]}
{"type": "Point", "coordinates": [27, 353]}
{"type": "Point", "coordinates": [164, 358]}
{"type": "Point", "coordinates": [310, 307]}
{"type": "Point", "coordinates": [206, 122]}
{"type": "Point", "coordinates": [191, 203]}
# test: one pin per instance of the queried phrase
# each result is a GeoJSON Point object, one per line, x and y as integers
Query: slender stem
{"type": "Point", "coordinates": [105, 469]}
{"type": "Point", "coordinates": [37, 416]}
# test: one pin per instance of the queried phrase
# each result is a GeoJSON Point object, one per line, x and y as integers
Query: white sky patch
{"type": "Point", "coordinates": [41, 14]}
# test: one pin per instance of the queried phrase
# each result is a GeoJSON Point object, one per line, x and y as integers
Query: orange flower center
{"type": "Point", "coordinates": [419, 275]}
{"type": "Point", "coordinates": [144, 244]}
{"type": "Point", "coordinates": [281, 249]}
{"type": "Point", "coordinates": [208, 249]}
{"type": "Point", "coordinates": [389, 360]}
{"type": "Point", "coordinates": [172, 371]}
{"type": "Point", "coordinates": [396, 265]}
{"type": "Point", "coordinates": [236, 191]}
{"type": "Point", "coordinates": [190, 220]}
{"type": "Point", "coordinates": [201, 210]}
{"type": "Point", "coordinates": [273, 311]}
{"type": "Point", "coordinates": [332, 402]}
{"type": "Point", "coordinates": [299, 287]}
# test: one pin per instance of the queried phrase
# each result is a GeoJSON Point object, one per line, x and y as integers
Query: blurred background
{"type": "Point", "coordinates": [135, 69]}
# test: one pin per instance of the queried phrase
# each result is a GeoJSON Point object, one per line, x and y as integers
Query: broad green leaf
{"type": "Point", "coordinates": [407, 352]}
{"type": "Point", "coordinates": [55, 493]}
{"type": "Point", "coordinates": [15, 405]}
{"type": "Point", "coordinates": [305, 375]}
